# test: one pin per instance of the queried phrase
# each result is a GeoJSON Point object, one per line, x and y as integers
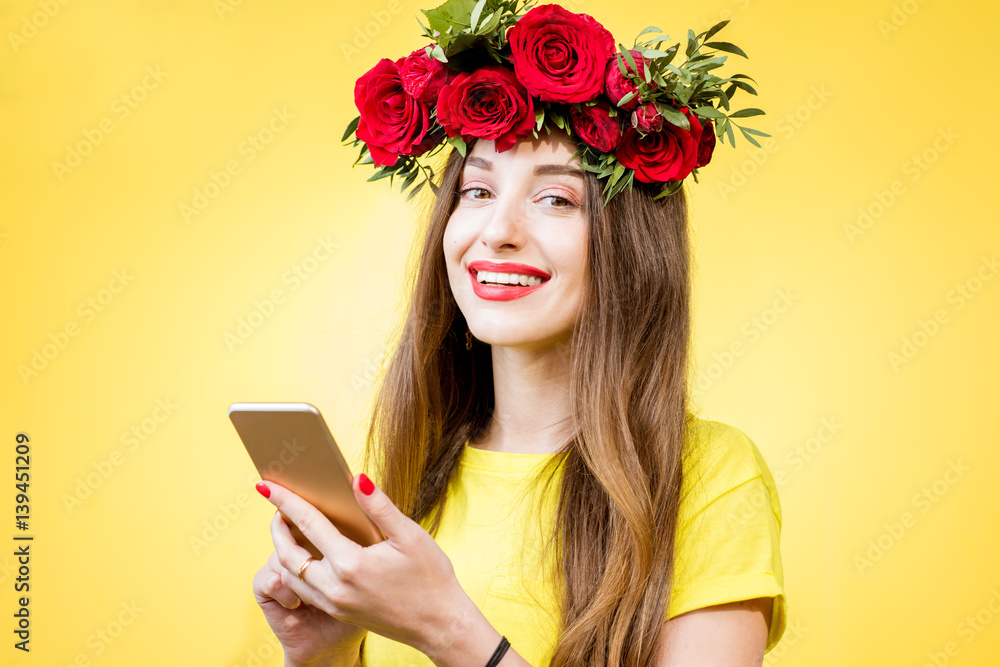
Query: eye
{"type": "Point", "coordinates": [559, 202]}
{"type": "Point", "coordinates": [478, 192]}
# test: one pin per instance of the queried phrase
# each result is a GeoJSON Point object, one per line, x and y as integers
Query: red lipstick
{"type": "Point", "coordinates": [504, 292]}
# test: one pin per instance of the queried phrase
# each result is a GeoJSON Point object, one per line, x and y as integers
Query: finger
{"type": "Point", "coordinates": [289, 555]}
{"type": "Point", "coordinates": [395, 525]}
{"type": "Point", "coordinates": [267, 586]}
{"type": "Point", "coordinates": [313, 524]}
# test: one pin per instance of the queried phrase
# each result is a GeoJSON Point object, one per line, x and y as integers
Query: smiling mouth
{"type": "Point", "coordinates": [504, 279]}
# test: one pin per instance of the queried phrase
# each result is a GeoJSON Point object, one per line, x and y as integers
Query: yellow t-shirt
{"type": "Point", "coordinates": [727, 546]}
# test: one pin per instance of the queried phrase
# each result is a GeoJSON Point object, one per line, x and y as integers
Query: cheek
{"type": "Point", "coordinates": [454, 245]}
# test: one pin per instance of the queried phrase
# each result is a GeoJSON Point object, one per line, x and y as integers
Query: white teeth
{"type": "Point", "coordinates": [508, 278]}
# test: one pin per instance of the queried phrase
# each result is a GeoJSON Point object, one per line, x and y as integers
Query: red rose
{"type": "Point", "coordinates": [618, 85]}
{"type": "Point", "coordinates": [595, 126]}
{"type": "Point", "coordinates": [559, 56]}
{"type": "Point", "coordinates": [647, 118]}
{"type": "Point", "coordinates": [423, 76]}
{"type": "Point", "coordinates": [667, 155]}
{"type": "Point", "coordinates": [706, 146]}
{"type": "Point", "coordinates": [488, 103]}
{"type": "Point", "coordinates": [392, 122]}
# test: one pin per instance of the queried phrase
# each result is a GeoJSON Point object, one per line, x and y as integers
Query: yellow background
{"type": "Point", "coordinates": [853, 90]}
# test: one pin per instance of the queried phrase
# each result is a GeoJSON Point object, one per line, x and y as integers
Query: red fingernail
{"type": "Point", "coordinates": [365, 484]}
{"type": "Point", "coordinates": [263, 490]}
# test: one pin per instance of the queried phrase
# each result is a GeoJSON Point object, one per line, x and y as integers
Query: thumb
{"type": "Point", "coordinates": [381, 510]}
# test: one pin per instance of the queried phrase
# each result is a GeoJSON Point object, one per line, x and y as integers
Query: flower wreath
{"type": "Point", "coordinates": [502, 69]}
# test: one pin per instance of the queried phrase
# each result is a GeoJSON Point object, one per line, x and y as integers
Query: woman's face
{"type": "Point", "coordinates": [519, 212]}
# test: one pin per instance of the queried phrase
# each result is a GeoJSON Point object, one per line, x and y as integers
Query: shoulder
{"type": "Point", "coordinates": [727, 546]}
{"type": "Point", "coordinates": [720, 459]}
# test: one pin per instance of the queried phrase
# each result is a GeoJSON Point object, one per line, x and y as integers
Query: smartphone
{"type": "Point", "coordinates": [290, 444]}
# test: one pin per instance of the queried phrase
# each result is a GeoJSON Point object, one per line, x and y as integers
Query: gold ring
{"type": "Point", "coordinates": [302, 568]}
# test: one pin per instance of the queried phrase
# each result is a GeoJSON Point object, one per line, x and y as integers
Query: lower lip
{"type": "Point", "coordinates": [501, 292]}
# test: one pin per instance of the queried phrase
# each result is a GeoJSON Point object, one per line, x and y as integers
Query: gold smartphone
{"type": "Point", "coordinates": [290, 444]}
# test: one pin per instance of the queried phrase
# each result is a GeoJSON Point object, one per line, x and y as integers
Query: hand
{"type": "Point", "coordinates": [403, 588]}
{"type": "Point", "coordinates": [308, 635]}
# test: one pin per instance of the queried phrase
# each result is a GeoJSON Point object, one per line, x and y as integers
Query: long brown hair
{"type": "Point", "coordinates": [619, 495]}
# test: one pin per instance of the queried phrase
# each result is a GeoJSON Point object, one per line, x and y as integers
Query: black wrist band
{"type": "Point", "coordinates": [499, 653]}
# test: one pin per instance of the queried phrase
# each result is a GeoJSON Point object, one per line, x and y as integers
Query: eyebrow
{"type": "Point", "coordinates": [540, 170]}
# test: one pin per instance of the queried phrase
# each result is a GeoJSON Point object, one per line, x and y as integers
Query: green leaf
{"type": "Point", "coordinates": [649, 29]}
{"type": "Point", "coordinates": [539, 117]}
{"type": "Point", "coordinates": [716, 28]}
{"type": "Point", "coordinates": [415, 190]}
{"type": "Point", "coordinates": [746, 113]}
{"type": "Point", "coordinates": [709, 112]}
{"type": "Point", "coordinates": [729, 131]}
{"type": "Point", "coordinates": [653, 54]}
{"type": "Point", "coordinates": [628, 58]}
{"type": "Point", "coordinates": [438, 53]}
{"type": "Point", "coordinates": [452, 12]}
{"type": "Point", "coordinates": [476, 13]}
{"type": "Point", "coordinates": [490, 23]}
{"type": "Point", "coordinates": [351, 128]}
{"type": "Point", "coordinates": [627, 98]}
{"type": "Point", "coordinates": [744, 86]}
{"type": "Point", "coordinates": [692, 43]}
{"type": "Point", "coordinates": [749, 137]}
{"type": "Point", "coordinates": [459, 144]}
{"type": "Point", "coordinates": [412, 176]}
{"type": "Point", "coordinates": [727, 47]}
{"type": "Point", "coordinates": [619, 170]}
{"type": "Point", "coordinates": [757, 132]}
{"type": "Point", "coordinates": [674, 116]}
{"type": "Point", "coordinates": [671, 52]}
{"type": "Point", "coordinates": [383, 172]}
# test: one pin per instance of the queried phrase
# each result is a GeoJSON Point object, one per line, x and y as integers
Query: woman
{"type": "Point", "coordinates": [618, 290]}
{"type": "Point", "coordinates": [546, 496]}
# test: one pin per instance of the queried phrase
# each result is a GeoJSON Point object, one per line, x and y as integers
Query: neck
{"type": "Point", "coordinates": [532, 410]}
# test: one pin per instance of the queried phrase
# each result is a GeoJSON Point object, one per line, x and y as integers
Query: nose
{"type": "Point", "coordinates": [504, 225]}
